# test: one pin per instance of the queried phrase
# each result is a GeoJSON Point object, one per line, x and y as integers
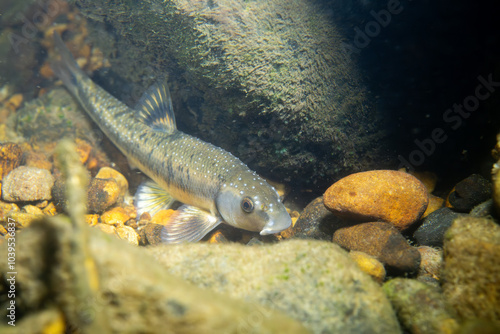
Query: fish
{"type": "Point", "coordinates": [212, 184]}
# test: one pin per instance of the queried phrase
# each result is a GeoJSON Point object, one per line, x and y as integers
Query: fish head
{"type": "Point", "coordinates": [247, 201]}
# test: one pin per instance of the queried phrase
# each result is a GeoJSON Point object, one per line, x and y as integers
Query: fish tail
{"type": "Point", "coordinates": [66, 69]}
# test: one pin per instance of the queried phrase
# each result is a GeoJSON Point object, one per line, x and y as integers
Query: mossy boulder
{"type": "Point", "coordinates": [267, 80]}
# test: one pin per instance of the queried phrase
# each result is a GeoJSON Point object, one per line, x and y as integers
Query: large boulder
{"type": "Point", "coordinates": [267, 80]}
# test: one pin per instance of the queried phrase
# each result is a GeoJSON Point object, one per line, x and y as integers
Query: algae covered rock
{"type": "Point", "coordinates": [471, 273]}
{"type": "Point", "coordinates": [420, 307]}
{"type": "Point", "coordinates": [269, 81]}
{"type": "Point", "coordinates": [312, 281]}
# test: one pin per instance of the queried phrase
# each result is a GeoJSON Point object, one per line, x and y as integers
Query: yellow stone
{"type": "Point", "coordinates": [50, 210]}
{"type": "Point", "coordinates": [162, 216]}
{"type": "Point", "coordinates": [23, 219]}
{"type": "Point", "coordinates": [32, 209]}
{"type": "Point", "coordinates": [429, 179]}
{"type": "Point", "coordinates": [108, 229]}
{"type": "Point", "coordinates": [369, 265]}
{"type": "Point", "coordinates": [92, 220]}
{"type": "Point", "coordinates": [110, 173]}
{"type": "Point", "coordinates": [115, 216]}
{"type": "Point", "coordinates": [435, 203]}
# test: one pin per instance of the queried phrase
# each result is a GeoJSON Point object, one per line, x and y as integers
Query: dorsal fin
{"type": "Point", "coordinates": [155, 109]}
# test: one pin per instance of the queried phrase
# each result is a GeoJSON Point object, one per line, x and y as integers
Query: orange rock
{"type": "Point", "coordinates": [115, 216]}
{"type": "Point", "coordinates": [37, 159]}
{"type": "Point", "coordinates": [395, 197]}
{"type": "Point", "coordinates": [435, 203]}
{"type": "Point", "coordinates": [217, 238]}
{"type": "Point", "coordinates": [92, 220]}
{"type": "Point", "coordinates": [102, 194]}
{"type": "Point", "coordinates": [10, 158]}
{"type": "Point", "coordinates": [14, 101]}
{"type": "Point", "coordinates": [429, 179]}
{"type": "Point", "coordinates": [110, 173]}
{"type": "Point", "coordinates": [46, 70]}
{"type": "Point", "coordinates": [162, 216]}
{"type": "Point", "coordinates": [83, 149]}
{"type": "Point", "coordinates": [50, 210]}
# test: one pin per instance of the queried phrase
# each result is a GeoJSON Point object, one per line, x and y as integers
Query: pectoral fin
{"type": "Point", "coordinates": [150, 197]}
{"type": "Point", "coordinates": [188, 224]}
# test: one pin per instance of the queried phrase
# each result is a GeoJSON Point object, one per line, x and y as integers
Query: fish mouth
{"type": "Point", "coordinates": [272, 228]}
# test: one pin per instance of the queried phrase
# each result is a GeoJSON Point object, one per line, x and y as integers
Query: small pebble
{"type": "Point", "coordinates": [469, 192]}
{"type": "Point", "coordinates": [110, 173]}
{"type": "Point", "coordinates": [381, 240]}
{"type": "Point", "coordinates": [435, 203]}
{"type": "Point", "coordinates": [50, 210]}
{"type": "Point", "coordinates": [32, 209]}
{"type": "Point", "coordinates": [162, 216]}
{"type": "Point", "coordinates": [102, 194]}
{"type": "Point", "coordinates": [218, 238]}
{"type": "Point", "coordinates": [128, 233]}
{"type": "Point", "coordinates": [23, 219]}
{"type": "Point", "coordinates": [36, 159]}
{"type": "Point", "coordinates": [10, 158]}
{"type": "Point", "coordinates": [369, 265]}
{"type": "Point", "coordinates": [92, 220]}
{"type": "Point", "coordinates": [83, 149]}
{"type": "Point", "coordinates": [25, 184]}
{"type": "Point", "coordinates": [152, 233]}
{"type": "Point", "coordinates": [430, 264]}
{"type": "Point", "coordinates": [394, 197]}
{"type": "Point", "coordinates": [115, 216]}
{"type": "Point", "coordinates": [431, 232]}
{"type": "Point", "coordinates": [108, 229]}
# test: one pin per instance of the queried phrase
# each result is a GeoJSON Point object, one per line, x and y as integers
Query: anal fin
{"type": "Point", "coordinates": [188, 224]}
{"type": "Point", "coordinates": [150, 197]}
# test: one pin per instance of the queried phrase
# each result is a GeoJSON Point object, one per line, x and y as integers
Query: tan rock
{"type": "Point", "coordinates": [128, 233]}
{"type": "Point", "coordinates": [22, 219]}
{"type": "Point", "coordinates": [10, 158]}
{"type": "Point", "coordinates": [27, 184]}
{"type": "Point", "coordinates": [395, 197]}
{"type": "Point", "coordinates": [32, 209]}
{"type": "Point", "coordinates": [435, 203]}
{"type": "Point", "coordinates": [108, 229]}
{"type": "Point", "coordinates": [110, 173]}
{"type": "Point", "coordinates": [102, 194]}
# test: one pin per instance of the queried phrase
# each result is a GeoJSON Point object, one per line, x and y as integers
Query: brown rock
{"type": "Point", "coordinates": [315, 222]}
{"type": "Point", "coordinates": [152, 233]}
{"type": "Point", "coordinates": [83, 149]}
{"type": "Point", "coordinates": [36, 159]}
{"type": "Point", "coordinates": [430, 264]}
{"type": "Point", "coordinates": [469, 192]}
{"type": "Point", "coordinates": [391, 196]}
{"type": "Point", "coordinates": [115, 216]}
{"type": "Point", "coordinates": [381, 240]}
{"type": "Point", "coordinates": [102, 194]}
{"type": "Point", "coordinates": [110, 173]}
{"type": "Point", "coordinates": [10, 158]}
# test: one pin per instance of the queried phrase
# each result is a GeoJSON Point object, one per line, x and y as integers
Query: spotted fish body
{"type": "Point", "coordinates": [214, 185]}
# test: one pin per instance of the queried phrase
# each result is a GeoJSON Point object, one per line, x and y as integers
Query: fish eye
{"type": "Point", "coordinates": [247, 204]}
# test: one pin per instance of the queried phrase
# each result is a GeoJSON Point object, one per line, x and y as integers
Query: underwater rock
{"type": "Point", "coordinates": [291, 90]}
{"type": "Point", "coordinates": [151, 233]}
{"type": "Point", "coordinates": [36, 159]}
{"type": "Point", "coordinates": [314, 282]}
{"type": "Point", "coordinates": [394, 197]}
{"type": "Point", "coordinates": [431, 232]}
{"type": "Point", "coordinates": [420, 307]}
{"type": "Point", "coordinates": [381, 240]}
{"type": "Point", "coordinates": [115, 216]}
{"type": "Point", "coordinates": [10, 158]}
{"type": "Point", "coordinates": [23, 219]}
{"type": "Point", "coordinates": [369, 264]}
{"type": "Point", "coordinates": [484, 209]}
{"type": "Point", "coordinates": [470, 192]}
{"type": "Point", "coordinates": [162, 216]}
{"type": "Point", "coordinates": [430, 265]}
{"type": "Point", "coordinates": [127, 233]}
{"type": "Point", "coordinates": [315, 222]}
{"type": "Point", "coordinates": [428, 179]}
{"type": "Point", "coordinates": [471, 272]}
{"type": "Point", "coordinates": [435, 203]}
{"type": "Point", "coordinates": [25, 184]}
{"type": "Point", "coordinates": [102, 293]}
{"type": "Point", "coordinates": [102, 193]}
{"type": "Point", "coordinates": [110, 173]}
{"type": "Point", "coordinates": [53, 116]}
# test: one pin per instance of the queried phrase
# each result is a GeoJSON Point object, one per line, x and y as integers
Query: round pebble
{"type": "Point", "coordinates": [102, 194]}
{"type": "Point", "coordinates": [434, 226]}
{"type": "Point", "coordinates": [110, 173]}
{"type": "Point", "coordinates": [369, 265]}
{"type": "Point", "coordinates": [469, 192]}
{"type": "Point", "coordinates": [115, 216]}
{"type": "Point", "coordinates": [394, 197]}
{"type": "Point", "coordinates": [26, 184]}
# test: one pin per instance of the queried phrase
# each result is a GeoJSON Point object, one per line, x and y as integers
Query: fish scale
{"type": "Point", "coordinates": [214, 186]}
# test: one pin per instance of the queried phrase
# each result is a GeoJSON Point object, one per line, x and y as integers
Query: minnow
{"type": "Point", "coordinates": [214, 186]}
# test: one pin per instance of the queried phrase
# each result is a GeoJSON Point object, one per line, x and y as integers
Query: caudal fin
{"type": "Point", "coordinates": [66, 69]}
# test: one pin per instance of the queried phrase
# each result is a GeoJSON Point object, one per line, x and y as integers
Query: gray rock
{"type": "Point", "coordinates": [312, 281]}
{"type": "Point", "coordinates": [470, 192]}
{"type": "Point", "coordinates": [434, 226]}
{"type": "Point", "coordinates": [25, 184]}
